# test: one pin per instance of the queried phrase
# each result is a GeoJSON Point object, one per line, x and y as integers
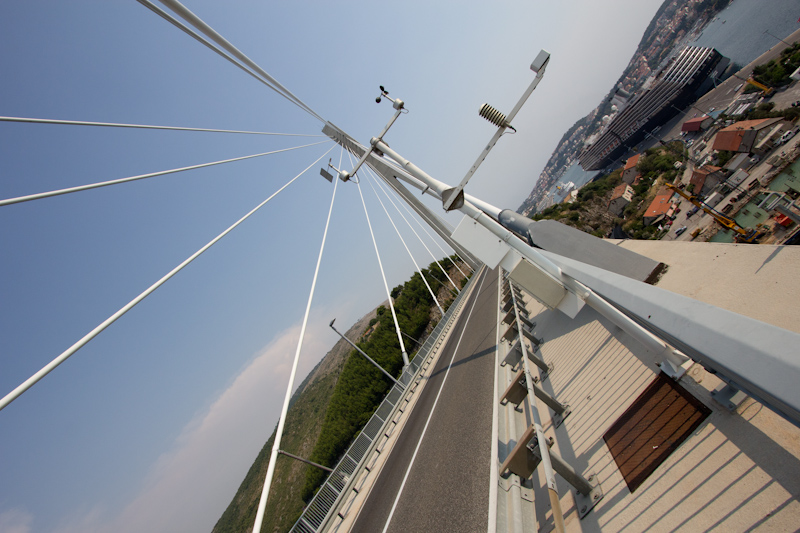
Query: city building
{"type": "Point", "coordinates": [697, 124]}
{"type": "Point", "coordinates": [682, 81]}
{"type": "Point", "coordinates": [705, 178]}
{"type": "Point", "coordinates": [744, 135]}
{"type": "Point", "coordinates": [620, 198]}
{"type": "Point", "coordinates": [659, 207]}
{"type": "Point", "coordinates": [738, 161]}
{"type": "Point", "coordinates": [630, 173]}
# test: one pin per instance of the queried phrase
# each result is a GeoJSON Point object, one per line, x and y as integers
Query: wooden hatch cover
{"type": "Point", "coordinates": [652, 428]}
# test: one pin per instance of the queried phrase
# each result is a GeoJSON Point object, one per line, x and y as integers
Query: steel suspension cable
{"type": "Point", "coordinates": [389, 197]}
{"type": "Point", "coordinates": [421, 225]}
{"type": "Point", "coordinates": [80, 188]}
{"type": "Point", "coordinates": [27, 384]}
{"type": "Point", "coordinates": [455, 246]}
{"type": "Point", "coordinates": [145, 126]}
{"type": "Point", "coordinates": [385, 284]}
{"type": "Point", "coordinates": [262, 503]}
{"type": "Point", "coordinates": [178, 24]}
{"type": "Point", "coordinates": [187, 15]}
{"type": "Point", "coordinates": [430, 290]}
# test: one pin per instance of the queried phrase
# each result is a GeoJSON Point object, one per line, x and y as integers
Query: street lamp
{"type": "Point", "coordinates": [781, 40]}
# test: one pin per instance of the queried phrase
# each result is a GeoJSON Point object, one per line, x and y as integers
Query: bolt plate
{"type": "Point", "coordinates": [559, 419]}
{"type": "Point", "coordinates": [586, 503]}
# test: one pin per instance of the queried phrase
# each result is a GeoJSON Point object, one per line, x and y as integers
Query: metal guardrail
{"type": "Point", "coordinates": [319, 510]}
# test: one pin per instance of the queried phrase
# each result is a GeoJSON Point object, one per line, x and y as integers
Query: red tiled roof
{"type": "Point", "coordinates": [660, 204]}
{"type": "Point", "coordinates": [697, 120]}
{"type": "Point", "coordinates": [747, 124]}
{"type": "Point", "coordinates": [698, 179]}
{"type": "Point", "coordinates": [707, 169]}
{"type": "Point", "coordinates": [619, 190]}
{"type": "Point", "coordinates": [632, 161]}
{"type": "Point", "coordinates": [694, 124]}
{"type": "Point", "coordinates": [728, 140]}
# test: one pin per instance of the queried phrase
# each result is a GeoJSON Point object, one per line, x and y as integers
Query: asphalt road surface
{"type": "Point", "coordinates": [437, 479]}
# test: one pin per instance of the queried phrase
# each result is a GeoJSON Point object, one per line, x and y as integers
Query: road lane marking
{"type": "Point", "coordinates": [493, 466]}
{"type": "Point", "coordinates": [433, 408]}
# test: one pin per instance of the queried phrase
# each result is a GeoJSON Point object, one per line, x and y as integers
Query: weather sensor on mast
{"type": "Point", "coordinates": [454, 198]}
{"type": "Point", "coordinates": [396, 102]}
{"type": "Point", "coordinates": [400, 106]}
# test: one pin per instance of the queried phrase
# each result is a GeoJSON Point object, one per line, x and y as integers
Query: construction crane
{"type": "Point", "coordinates": [764, 88]}
{"type": "Point", "coordinates": [743, 235]}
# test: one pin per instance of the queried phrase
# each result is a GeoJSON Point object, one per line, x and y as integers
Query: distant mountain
{"type": "Point", "coordinates": [303, 425]}
{"type": "Point", "coordinates": [674, 24]}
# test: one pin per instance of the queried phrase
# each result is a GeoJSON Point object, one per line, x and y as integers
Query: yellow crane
{"type": "Point", "coordinates": [744, 235]}
{"type": "Point", "coordinates": [766, 89]}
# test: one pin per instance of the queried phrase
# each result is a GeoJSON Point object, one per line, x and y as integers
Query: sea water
{"type": "Point", "coordinates": [738, 32]}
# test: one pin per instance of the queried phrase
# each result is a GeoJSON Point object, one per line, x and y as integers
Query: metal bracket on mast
{"type": "Point", "coordinates": [343, 175]}
{"type": "Point", "coordinates": [400, 107]}
{"type": "Point", "coordinates": [454, 198]}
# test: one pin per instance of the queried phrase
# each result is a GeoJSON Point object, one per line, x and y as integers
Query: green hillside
{"type": "Point", "coordinates": [334, 402]}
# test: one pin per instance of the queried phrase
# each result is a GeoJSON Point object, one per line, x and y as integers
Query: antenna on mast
{"type": "Point", "coordinates": [454, 198]}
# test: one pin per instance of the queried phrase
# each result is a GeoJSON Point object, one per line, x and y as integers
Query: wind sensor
{"type": "Point", "coordinates": [396, 102]}
{"type": "Point", "coordinates": [400, 106]}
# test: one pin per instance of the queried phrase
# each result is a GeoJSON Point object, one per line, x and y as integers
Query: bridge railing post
{"type": "Point", "coordinates": [532, 449]}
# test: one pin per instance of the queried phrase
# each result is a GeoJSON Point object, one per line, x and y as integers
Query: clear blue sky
{"type": "Point", "coordinates": [152, 426]}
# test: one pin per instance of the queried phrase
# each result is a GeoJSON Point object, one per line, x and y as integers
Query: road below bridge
{"type": "Point", "coordinates": [437, 476]}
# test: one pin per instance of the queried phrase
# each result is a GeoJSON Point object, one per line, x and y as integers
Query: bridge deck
{"type": "Point", "coordinates": [449, 464]}
{"type": "Point", "coordinates": [738, 471]}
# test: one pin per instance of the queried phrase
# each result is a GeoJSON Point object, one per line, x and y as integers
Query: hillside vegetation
{"type": "Point", "coordinates": [335, 401]}
{"type": "Point", "coordinates": [589, 212]}
{"type": "Point", "coordinates": [302, 429]}
{"type": "Point", "coordinates": [776, 73]}
{"type": "Point", "coordinates": [361, 386]}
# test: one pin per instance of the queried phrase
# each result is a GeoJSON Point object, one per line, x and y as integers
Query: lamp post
{"type": "Point", "coordinates": [775, 36]}
{"type": "Point", "coordinates": [370, 359]}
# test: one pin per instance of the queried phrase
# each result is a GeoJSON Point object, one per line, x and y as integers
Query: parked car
{"type": "Point", "coordinates": [786, 136]}
{"type": "Point", "coordinates": [679, 231]}
{"type": "Point", "coordinates": [692, 211]}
